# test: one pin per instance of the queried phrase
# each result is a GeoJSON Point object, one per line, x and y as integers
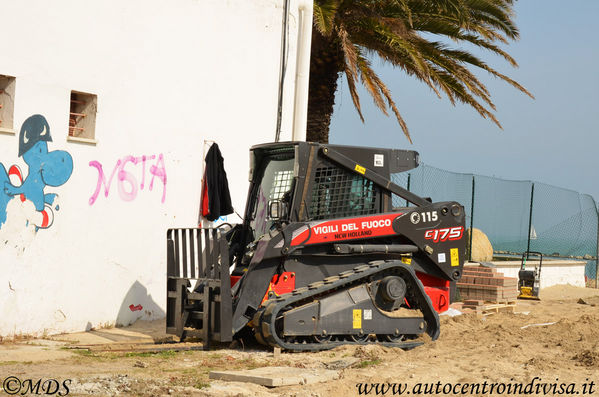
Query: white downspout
{"type": "Point", "coordinates": [302, 70]}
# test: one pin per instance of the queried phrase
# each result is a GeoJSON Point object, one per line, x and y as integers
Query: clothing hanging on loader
{"type": "Point", "coordinates": [216, 199]}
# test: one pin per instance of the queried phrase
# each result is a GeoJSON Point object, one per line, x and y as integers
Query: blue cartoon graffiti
{"type": "Point", "coordinates": [46, 168]}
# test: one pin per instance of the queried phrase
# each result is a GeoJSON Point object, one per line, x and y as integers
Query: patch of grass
{"type": "Point", "coordinates": [247, 363]}
{"type": "Point", "coordinates": [160, 354]}
{"type": "Point", "coordinates": [61, 338]}
{"type": "Point", "coordinates": [368, 363]}
{"type": "Point", "coordinates": [107, 325]}
{"type": "Point", "coordinates": [96, 355]}
{"type": "Point", "coordinates": [193, 381]}
{"type": "Point", "coordinates": [16, 338]}
{"type": "Point", "coordinates": [285, 363]}
{"type": "Point", "coordinates": [84, 356]}
{"type": "Point", "coordinates": [15, 362]}
{"type": "Point", "coordinates": [81, 352]}
{"type": "Point", "coordinates": [205, 370]}
{"type": "Point", "coordinates": [201, 385]}
{"type": "Point", "coordinates": [169, 370]}
{"type": "Point", "coordinates": [189, 371]}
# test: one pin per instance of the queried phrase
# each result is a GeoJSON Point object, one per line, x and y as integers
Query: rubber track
{"type": "Point", "coordinates": [272, 307]}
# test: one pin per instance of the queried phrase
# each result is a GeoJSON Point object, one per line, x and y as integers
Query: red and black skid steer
{"type": "Point", "coordinates": [322, 258]}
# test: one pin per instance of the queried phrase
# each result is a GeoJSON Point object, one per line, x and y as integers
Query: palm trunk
{"type": "Point", "coordinates": [326, 62]}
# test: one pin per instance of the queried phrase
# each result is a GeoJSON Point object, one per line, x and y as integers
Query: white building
{"type": "Point", "coordinates": [155, 81]}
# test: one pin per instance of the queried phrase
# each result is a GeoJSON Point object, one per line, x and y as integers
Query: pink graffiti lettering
{"type": "Point", "coordinates": [102, 180]}
{"type": "Point", "coordinates": [125, 176]}
{"type": "Point", "coordinates": [159, 171]}
{"type": "Point", "coordinates": [127, 184]}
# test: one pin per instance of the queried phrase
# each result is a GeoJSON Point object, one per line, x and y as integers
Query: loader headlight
{"type": "Point", "coordinates": [456, 210]}
{"type": "Point", "coordinates": [276, 209]}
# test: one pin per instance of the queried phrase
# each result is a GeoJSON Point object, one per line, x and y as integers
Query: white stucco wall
{"type": "Point", "coordinates": [168, 75]}
{"type": "Point", "coordinates": [553, 272]}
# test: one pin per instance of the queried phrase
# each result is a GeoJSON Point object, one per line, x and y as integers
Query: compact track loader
{"type": "Point", "coordinates": [322, 258]}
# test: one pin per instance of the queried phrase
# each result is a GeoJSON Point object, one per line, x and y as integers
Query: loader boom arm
{"type": "Point", "coordinates": [385, 183]}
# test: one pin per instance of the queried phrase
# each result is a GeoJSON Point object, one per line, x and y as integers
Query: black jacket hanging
{"type": "Point", "coordinates": [219, 198]}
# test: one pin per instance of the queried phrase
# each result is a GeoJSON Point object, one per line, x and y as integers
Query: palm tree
{"type": "Point", "coordinates": [348, 33]}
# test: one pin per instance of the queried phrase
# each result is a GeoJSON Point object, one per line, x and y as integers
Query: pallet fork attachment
{"type": "Point", "coordinates": [200, 255]}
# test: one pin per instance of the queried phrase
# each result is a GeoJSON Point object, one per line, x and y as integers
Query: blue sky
{"type": "Point", "coordinates": [552, 139]}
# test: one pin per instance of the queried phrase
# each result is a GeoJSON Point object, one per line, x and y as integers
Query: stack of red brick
{"type": "Point", "coordinates": [486, 284]}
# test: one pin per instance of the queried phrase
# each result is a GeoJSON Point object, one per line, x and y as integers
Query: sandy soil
{"type": "Point", "coordinates": [471, 349]}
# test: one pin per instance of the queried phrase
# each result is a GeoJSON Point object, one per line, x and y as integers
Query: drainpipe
{"type": "Point", "coordinates": [283, 69]}
{"type": "Point", "coordinates": [302, 70]}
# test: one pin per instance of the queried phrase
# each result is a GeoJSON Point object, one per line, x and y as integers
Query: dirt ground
{"type": "Point", "coordinates": [502, 347]}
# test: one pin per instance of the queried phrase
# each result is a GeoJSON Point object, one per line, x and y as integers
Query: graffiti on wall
{"type": "Point", "coordinates": [27, 194]}
{"type": "Point", "coordinates": [128, 186]}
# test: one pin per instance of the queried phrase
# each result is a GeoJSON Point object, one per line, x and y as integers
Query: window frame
{"type": "Point", "coordinates": [7, 91]}
{"type": "Point", "coordinates": [83, 109]}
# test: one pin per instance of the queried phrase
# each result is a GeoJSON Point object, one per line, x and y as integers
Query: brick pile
{"type": "Point", "coordinates": [486, 284]}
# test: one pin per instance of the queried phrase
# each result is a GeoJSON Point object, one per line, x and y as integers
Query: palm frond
{"type": "Point", "coordinates": [324, 15]}
{"type": "Point", "coordinates": [351, 68]}
{"type": "Point", "coordinates": [398, 32]}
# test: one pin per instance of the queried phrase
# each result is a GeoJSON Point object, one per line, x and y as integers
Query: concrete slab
{"type": "Point", "coordinates": [34, 351]}
{"type": "Point", "coordinates": [277, 376]}
{"type": "Point", "coordinates": [142, 332]}
{"type": "Point", "coordinates": [141, 336]}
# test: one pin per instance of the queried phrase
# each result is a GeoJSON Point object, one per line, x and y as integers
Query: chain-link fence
{"type": "Point", "coordinates": [517, 216]}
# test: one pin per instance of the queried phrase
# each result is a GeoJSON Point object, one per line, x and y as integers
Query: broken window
{"type": "Point", "coordinates": [7, 103]}
{"type": "Point", "coordinates": [82, 116]}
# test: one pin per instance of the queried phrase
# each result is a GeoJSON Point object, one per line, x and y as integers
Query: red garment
{"type": "Point", "coordinates": [205, 202]}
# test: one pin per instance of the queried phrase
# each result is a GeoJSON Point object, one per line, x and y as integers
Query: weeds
{"type": "Point", "coordinates": [81, 352]}
{"type": "Point", "coordinates": [159, 354]}
{"type": "Point", "coordinates": [201, 385]}
{"type": "Point", "coordinates": [15, 363]}
{"type": "Point", "coordinates": [368, 363]}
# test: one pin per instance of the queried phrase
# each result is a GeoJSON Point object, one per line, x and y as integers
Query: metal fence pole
{"type": "Point", "coordinates": [471, 221]}
{"type": "Point", "coordinates": [532, 195]}
{"type": "Point", "coordinates": [597, 254]}
{"type": "Point", "coordinates": [408, 188]}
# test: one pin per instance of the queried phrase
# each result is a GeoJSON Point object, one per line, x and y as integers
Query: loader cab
{"type": "Point", "coordinates": [296, 182]}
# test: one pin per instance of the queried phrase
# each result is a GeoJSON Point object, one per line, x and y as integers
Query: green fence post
{"type": "Point", "coordinates": [471, 221]}
{"type": "Point", "coordinates": [408, 188]}
{"type": "Point", "coordinates": [597, 254]}
{"type": "Point", "coordinates": [532, 195]}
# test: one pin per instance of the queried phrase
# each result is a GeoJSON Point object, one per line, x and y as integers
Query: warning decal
{"type": "Point", "coordinates": [360, 169]}
{"type": "Point", "coordinates": [357, 323]}
{"type": "Point", "coordinates": [455, 257]}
